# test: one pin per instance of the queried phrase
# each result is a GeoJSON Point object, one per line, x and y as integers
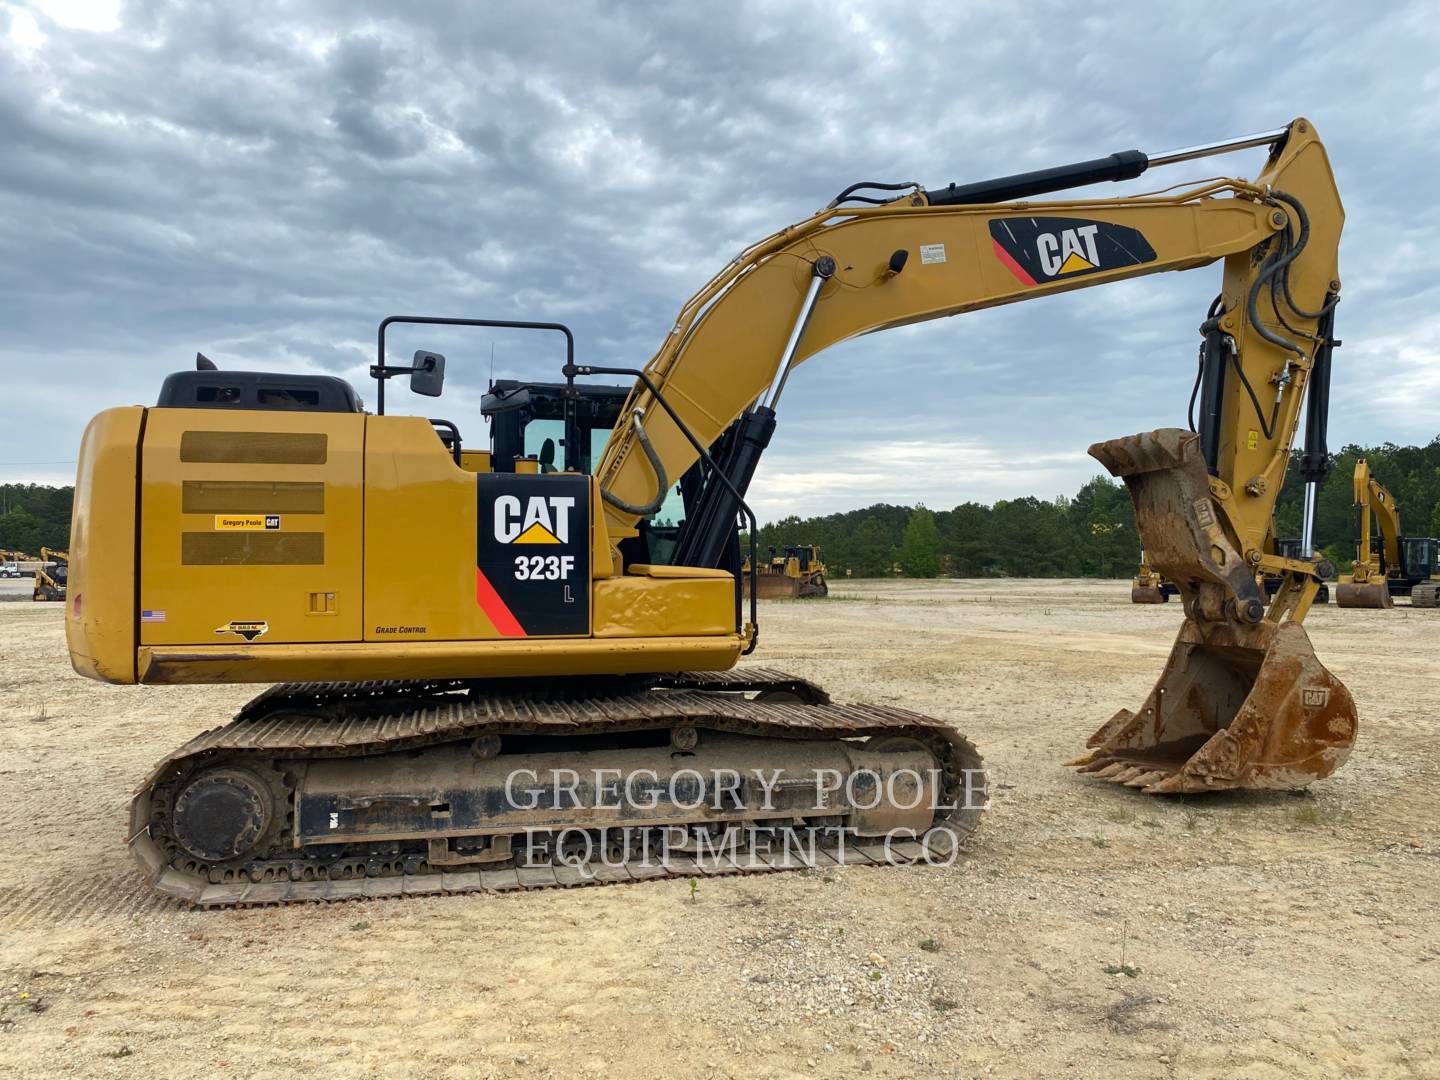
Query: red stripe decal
{"type": "Point", "coordinates": [1011, 265]}
{"type": "Point", "coordinates": [495, 608]}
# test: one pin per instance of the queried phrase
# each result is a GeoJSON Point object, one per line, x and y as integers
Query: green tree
{"type": "Point", "coordinates": [873, 553]}
{"type": "Point", "coordinates": [920, 545]}
{"type": "Point", "coordinates": [20, 530]}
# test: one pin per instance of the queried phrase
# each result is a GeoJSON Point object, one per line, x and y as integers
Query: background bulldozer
{"type": "Point", "coordinates": [794, 573]}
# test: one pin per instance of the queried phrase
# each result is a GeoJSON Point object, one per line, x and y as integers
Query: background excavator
{"type": "Point", "coordinates": [1148, 587]}
{"type": "Point", "coordinates": [794, 572]}
{"type": "Point", "coordinates": [1391, 564]}
{"type": "Point", "coordinates": [52, 575]}
{"type": "Point", "coordinates": [582, 615]}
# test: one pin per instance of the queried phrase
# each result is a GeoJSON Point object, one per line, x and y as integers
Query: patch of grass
{"type": "Point", "coordinates": [1307, 815]}
{"type": "Point", "coordinates": [1192, 820]}
{"type": "Point", "coordinates": [943, 1004]}
{"type": "Point", "coordinates": [1122, 968]}
{"type": "Point", "coordinates": [121, 1052]}
{"type": "Point", "coordinates": [694, 889]}
{"type": "Point", "coordinates": [359, 926]}
{"type": "Point", "coordinates": [42, 715]}
{"type": "Point", "coordinates": [1100, 841]}
{"type": "Point", "coordinates": [929, 945]}
{"type": "Point", "coordinates": [876, 975]}
{"type": "Point", "coordinates": [1121, 815]}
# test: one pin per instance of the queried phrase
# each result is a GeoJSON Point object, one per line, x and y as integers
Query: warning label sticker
{"type": "Point", "coordinates": [932, 253]}
{"type": "Point", "coordinates": [252, 522]}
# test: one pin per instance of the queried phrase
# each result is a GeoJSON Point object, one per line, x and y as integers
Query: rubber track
{"type": "Point", "coordinates": [348, 719]}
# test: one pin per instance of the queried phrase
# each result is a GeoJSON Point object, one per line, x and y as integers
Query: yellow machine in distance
{"type": "Point", "coordinates": [244, 530]}
{"type": "Point", "coordinates": [1148, 587]}
{"type": "Point", "coordinates": [52, 575]}
{"type": "Point", "coordinates": [1397, 565]}
{"type": "Point", "coordinates": [797, 572]}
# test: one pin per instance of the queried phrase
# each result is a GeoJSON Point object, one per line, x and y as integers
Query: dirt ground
{"type": "Point", "coordinates": [1274, 935]}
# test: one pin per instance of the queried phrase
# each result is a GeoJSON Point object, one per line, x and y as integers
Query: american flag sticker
{"type": "Point", "coordinates": [152, 616]}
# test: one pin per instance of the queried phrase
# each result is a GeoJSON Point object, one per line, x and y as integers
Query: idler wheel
{"type": "Point", "coordinates": [221, 814]}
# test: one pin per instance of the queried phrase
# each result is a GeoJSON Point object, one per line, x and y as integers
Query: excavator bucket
{"type": "Point", "coordinates": [1243, 702]}
{"type": "Point", "coordinates": [1147, 594]}
{"type": "Point", "coordinates": [1369, 594]}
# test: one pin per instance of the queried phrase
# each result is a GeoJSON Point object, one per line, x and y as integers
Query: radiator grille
{"type": "Point", "coordinates": [255, 447]}
{"type": "Point", "coordinates": [252, 549]}
{"type": "Point", "coordinates": [253, 497]}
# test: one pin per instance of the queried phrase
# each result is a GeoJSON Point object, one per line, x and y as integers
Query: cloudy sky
{"type": "Point", "coordinates": [264, 182]}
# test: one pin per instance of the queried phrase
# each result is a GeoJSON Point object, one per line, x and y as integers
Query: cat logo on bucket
{"type": "Point", "coordinates": [541, 520]}
{"type": "Point", "coordinates": [1038, 250]}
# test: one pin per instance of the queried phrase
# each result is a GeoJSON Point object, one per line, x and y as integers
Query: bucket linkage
{"type": "Point", "coordinates": [1243, 702]}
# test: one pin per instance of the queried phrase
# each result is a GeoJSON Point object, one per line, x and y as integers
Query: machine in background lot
{"type": "Point", "coordinates": [795, 572]}
{"type": "Point", "coordinates": [52, 575]}
{"type": "Point", "coordinates": [10, 563]}
{"type": "Point", "coordinates": [565, 619]}
{"type": "Point", "coordinates": [1390, 564]}
{"type": "Point", "coordinates": [1289, 548]}
{"type": "Point", "coordinates": [1148, 587]}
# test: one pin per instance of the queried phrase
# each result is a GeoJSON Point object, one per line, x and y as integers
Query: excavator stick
{"type": "Point", "coordinates": [1243, 702]}
{"type": "Point", "coordinates": [1368, 594]}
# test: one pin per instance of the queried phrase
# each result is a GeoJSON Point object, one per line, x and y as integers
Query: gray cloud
{"type": "Point", "coordinates": [266, 185]}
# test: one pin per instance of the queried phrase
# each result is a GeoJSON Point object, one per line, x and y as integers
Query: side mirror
{"type": "Point", "coordinates": [429, 375]}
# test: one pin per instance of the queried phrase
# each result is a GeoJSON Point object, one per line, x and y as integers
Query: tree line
{"type": "Point", "coordinates": [34, 516]}
{"type": "Point", "coordinates": [1089, 534]}
{"type": "Point", "coordinates": [1092, 533]}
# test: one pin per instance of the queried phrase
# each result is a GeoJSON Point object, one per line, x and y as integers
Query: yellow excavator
{"type": "Point", "coordinates": [1396, 566]}
{"type": "Point", "coordinates": [573, 631]}
{"type": "Point", "coordinates": [51, 576]}
{"type": "Point", "coordinates": [1148, 587]}
{"type": "Point", "coordinates": [796, 572]}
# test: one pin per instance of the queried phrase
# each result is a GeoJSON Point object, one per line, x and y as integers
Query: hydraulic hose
{"type": "Point", "coordinates": [662, 483]}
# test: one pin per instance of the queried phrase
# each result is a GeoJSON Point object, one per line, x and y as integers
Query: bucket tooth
{"type": "Point", "coordinates": [1081, 761]}
{"type": "Point", "coordinates": [1170, 785]}
{"type": "Point", "coordinates": [1111, 770]}
{"type": "Point", "coordinates": [1145, 779]}
{"type": "Point", "coordinates": [1129, 774]}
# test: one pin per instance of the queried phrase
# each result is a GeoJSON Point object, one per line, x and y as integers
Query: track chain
{"type": "Point", "coordinates": [323, 720]}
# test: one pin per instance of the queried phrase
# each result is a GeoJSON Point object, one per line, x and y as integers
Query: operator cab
{"type": "Point", "coordinates": [527, 420]}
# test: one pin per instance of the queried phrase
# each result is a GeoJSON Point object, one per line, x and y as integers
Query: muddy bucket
{"type": "Point", "coordinates": [1243, 701]}
{"type": "Point", "coordinates": [1147, 594]}
{"type": "Point", "coordinates": [1370, 594]}
{"type": "Point", "coordinates": [1237, 707]}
